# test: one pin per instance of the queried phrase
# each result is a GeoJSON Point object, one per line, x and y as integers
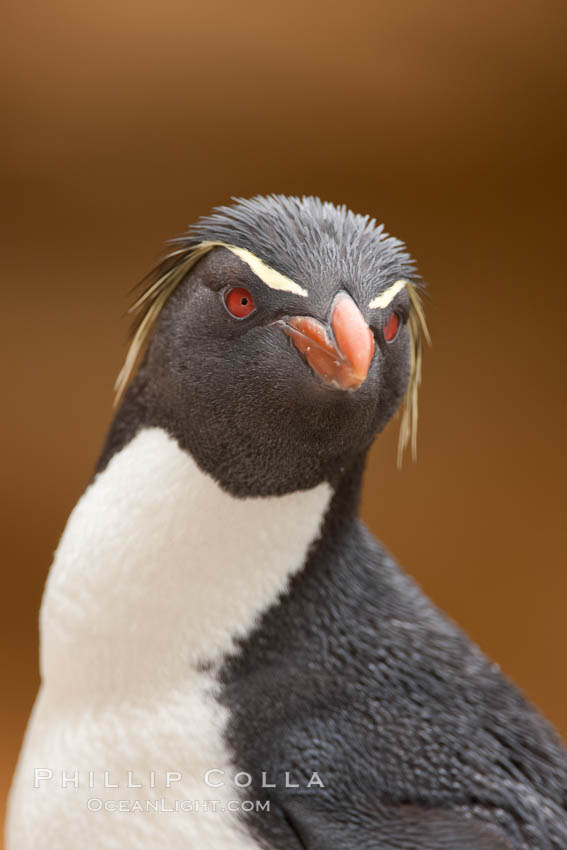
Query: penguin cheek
{"type": "Point", "coordinates": [261, 420]}
{"type": "Point", "coordinates": [393, 376]}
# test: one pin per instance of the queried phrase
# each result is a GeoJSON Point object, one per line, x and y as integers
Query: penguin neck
{"type": "Point", "coordinates": [345, 502]}
{"type": "Point", "coordinates": [139, 411]}
{"type": "Point", "coordinates": [160, 568]}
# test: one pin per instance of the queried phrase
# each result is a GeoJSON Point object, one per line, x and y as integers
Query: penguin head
{"type": "Point", "coordinates": [282, 335]}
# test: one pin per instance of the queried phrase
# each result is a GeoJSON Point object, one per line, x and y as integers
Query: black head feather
{"type": "Point", "coordinates": [309, 241]}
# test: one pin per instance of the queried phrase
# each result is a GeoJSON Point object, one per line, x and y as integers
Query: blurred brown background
{"type": "Point", "coordinates": [446, 120]}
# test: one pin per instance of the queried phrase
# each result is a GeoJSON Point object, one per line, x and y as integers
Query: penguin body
{"type": "Point", "coordinates": [219, 626]}
{"type": "Point", "coordinates": [133, 634]}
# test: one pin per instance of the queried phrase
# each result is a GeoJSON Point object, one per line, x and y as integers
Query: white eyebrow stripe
{"type": "Point", "coordinates": [269, 276]}
{"type": "Point", "coordinates": [386, 297]}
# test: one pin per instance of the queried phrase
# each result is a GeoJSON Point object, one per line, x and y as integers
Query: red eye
{"type": "Point", "coordinates": [391, 327]}
{"type": "Point", "coordinates": [239, 302]}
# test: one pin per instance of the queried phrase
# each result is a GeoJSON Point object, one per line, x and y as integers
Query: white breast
{"type": "Point", "coordinates": [157, 572]}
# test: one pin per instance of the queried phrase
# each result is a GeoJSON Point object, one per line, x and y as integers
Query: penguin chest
{"type": "Point", "coordinates": [157, 573]}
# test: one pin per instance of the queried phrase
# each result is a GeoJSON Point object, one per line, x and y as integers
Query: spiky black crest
{"type": "Point", "coordinates": [308, 241]}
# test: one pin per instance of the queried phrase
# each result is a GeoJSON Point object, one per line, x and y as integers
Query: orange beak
{"type": "Point", "coordinates": [342, 359]}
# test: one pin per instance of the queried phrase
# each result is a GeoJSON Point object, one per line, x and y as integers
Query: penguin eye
{"type": "Point", "coordinates": [391, 327]}
{"type": "Point", "coordinates": [239, 302]}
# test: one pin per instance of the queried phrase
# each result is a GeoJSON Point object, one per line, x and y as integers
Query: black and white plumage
{"type": "Point", "coordinates": [216, 604]}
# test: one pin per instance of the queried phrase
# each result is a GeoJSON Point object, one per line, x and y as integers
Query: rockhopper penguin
{"type": "Point", "coordinates": [229, 659]}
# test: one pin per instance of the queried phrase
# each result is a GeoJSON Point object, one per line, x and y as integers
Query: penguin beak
{"type": "Point", "coordinates": [340, 354]}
